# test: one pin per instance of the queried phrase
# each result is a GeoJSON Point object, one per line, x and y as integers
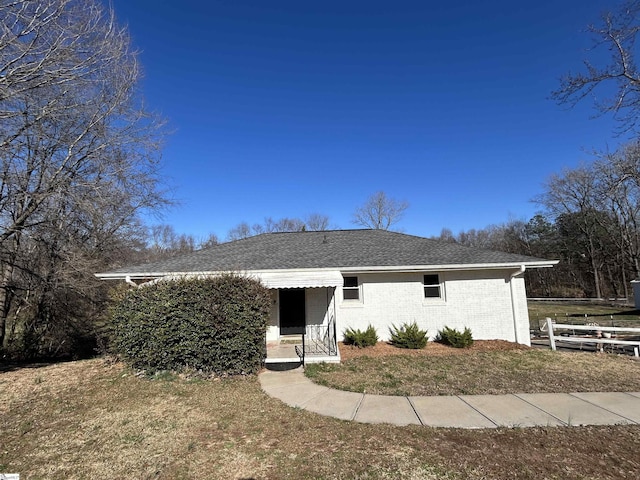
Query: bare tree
{"type": "Point", "coordinates": [616, 34]}
{"type": "Point", "coordinates": [619, 193]}
{"type": "Point", "coordinates": [316, 222]}
{"type": "Point", "coordinates": [162, 242]}
{"type": "Point", "coordinates": [209, 241]}
{"type": "Point", "coordinates": [575, 200]}
{"type": "Point", "coordinates": [380, 212]}
{"type": "Point", "coordinates": [166, 242]}
{"type": "Point", "coordinates": [240, 231]}
{"type": "Point", "coordinates": [78, 150]}
{"type": "Point", "coordinates": [284, 224]}
{"type": "Point", "coordinates": [446, 235]}
{"type": "Point", "coordinates": [574, 192]}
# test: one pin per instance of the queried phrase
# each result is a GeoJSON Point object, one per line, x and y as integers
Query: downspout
{"type": "Point", "coordinates": [520, 271]}
{"type": "Point", "coordinates": [130, 282]}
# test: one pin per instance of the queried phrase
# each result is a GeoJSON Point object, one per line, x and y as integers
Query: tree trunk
{"type": "Point", "coordinates": [5, 300]}
{"type": "Point", "coordinates": [594, 266]}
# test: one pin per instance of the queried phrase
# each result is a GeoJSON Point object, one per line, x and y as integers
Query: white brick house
{"type": "Point", "coordinates": [325, 282]}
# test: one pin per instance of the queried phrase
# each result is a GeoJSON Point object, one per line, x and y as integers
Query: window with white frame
{"type": "Point", "coordinates": [432, 286]}
{"type": "Point", "coordinates": [351, 289]}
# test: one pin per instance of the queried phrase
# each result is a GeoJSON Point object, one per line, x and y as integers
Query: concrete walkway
{"type": "Point", "coordinates": [461, 411]}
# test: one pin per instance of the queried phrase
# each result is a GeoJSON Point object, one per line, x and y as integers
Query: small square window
{"type": "Point", "coordinates": [351, 289]}
{"type": "Point", "coordinates": [432, 286]}
{"type": "Point", "coordinates": [350, 281]}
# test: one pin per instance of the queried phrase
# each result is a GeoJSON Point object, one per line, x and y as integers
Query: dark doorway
{"type": "Point", "coordinates": [292, 311]}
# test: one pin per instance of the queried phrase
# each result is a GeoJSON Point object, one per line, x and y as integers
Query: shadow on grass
{"type": "Point", "coordinates": [12, 366]}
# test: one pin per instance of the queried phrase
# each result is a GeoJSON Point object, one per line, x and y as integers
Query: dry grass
{"type": "Point", "coordinates": [92, 420]}
{"type": "Point", "coordinates": [483, 369]}
{"type": "Point", "coordinates": [606, 315]}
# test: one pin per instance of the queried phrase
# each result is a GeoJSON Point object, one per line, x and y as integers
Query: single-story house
{"type": "Point", "coordinates": [323, 282]}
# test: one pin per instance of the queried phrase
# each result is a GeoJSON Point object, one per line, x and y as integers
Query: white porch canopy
{"type": "Point", "coordinates": [300, 279]}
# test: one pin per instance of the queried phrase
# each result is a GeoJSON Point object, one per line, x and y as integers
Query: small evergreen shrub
{"type": "Point", "coordinates": [214, 325]}
{"type": "Point", "coordinates": [408, 335]}
{"type": "Point", "coordinates": [361, 339]}
{"type": "Point", "coordinates": [455, 338]}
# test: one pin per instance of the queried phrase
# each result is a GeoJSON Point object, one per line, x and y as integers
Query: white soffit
{"type": "Point", "coordinates": [331, 278]}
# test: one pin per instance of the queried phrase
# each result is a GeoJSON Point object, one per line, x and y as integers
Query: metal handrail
{"type": "Point", "coordinates": [321, 339]}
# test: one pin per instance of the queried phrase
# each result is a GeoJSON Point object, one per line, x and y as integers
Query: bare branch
{"type": "Point", "coordinates": [79, 153]}
{"type": "Point", "coordinates": [380, 212]}
{"type": "Point", "coordinates": [618, 81]}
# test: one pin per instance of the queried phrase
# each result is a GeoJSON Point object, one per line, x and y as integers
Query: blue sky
{"type": "Point", "coordinates": [285, 108]}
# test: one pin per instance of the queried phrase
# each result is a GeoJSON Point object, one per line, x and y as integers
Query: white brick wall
{"type": "Point", "coordinates": [273, 330]}
{"type": "Point", "coordinates": [480, 300]}
{"type": "Point", "coordinates": [316, 306]}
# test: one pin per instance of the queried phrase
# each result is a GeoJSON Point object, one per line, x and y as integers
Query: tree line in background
{"type": "Point", "coordinates": [590, 221]}
{"type": "Point", "coordinates": [78, 162]}
{"type": "Point", "coordinates": [79, 165]}
{"type": "Point", "coordinates": [590, 216]}
{"type": "Point", "coordinates": [379, 211]}
{"type": "Point", "coordinates": [158, 242]}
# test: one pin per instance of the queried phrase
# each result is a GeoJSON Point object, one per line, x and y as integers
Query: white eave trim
{"type": "Point", "coordinates": [299, 278]}
{"type": "Point", "coordinates": [329, 276]}
{"type": "Point", "coordinates": [462, 266]}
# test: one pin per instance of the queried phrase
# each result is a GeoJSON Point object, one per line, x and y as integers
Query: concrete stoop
{"type": "Point", "coordinates": [282, 355]}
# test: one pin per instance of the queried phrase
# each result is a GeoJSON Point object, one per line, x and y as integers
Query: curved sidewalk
{"type": "Point", "coordinates": [461, 411]}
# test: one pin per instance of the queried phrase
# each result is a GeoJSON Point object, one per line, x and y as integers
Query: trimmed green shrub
{"type": "Point", "coordinates": [408, 335]}
{"type": "Point", "coordinates": [214, 325]}
{"type": "Point", "coordinates": [455, 338]}
{"type": "Point", "coordinates": [361, 339]}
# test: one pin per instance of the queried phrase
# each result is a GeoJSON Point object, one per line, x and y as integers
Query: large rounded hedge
{"type": "Point", "coordinates": [215, 325]}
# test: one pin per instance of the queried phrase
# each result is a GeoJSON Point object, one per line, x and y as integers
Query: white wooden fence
{"type": "Point", "coordinates": [601, 340]}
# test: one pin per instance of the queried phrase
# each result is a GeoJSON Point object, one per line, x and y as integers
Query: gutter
{"type": "Point", "coordinates": [449, 267]}
{"type": "Point", "coordinates": [373, 269]}
{"type": "Point", "coordinates": [520, 271]}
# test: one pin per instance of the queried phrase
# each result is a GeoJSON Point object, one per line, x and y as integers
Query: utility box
{"type": "Point", "coordinates": [636, 293]}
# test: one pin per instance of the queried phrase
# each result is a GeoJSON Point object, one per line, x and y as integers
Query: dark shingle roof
{"type": "Point", "coordinates": [327, 249]}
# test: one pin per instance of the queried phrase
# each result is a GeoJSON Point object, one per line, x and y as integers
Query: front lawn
{"type": "Point", "coordinates": [93, 420]}
{"type": "Point", "coordinates": [439, 370]}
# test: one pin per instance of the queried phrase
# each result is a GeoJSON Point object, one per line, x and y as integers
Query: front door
{"type": "Point", "coordinates": [292, 311]}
